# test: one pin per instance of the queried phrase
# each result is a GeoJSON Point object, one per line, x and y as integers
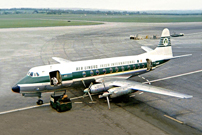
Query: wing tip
{"type": "Point", "coordinates": [188, 96]}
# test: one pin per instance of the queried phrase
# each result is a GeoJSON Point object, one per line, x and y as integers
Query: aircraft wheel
{"type": "Point", "coordinates": [39, 102]}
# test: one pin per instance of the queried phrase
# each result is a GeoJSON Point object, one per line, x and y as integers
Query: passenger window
{"type": "Point", "coordinates": [91, 73]}
{"type": "Point", "coordinates": [122, 68]}
{"type": "Point", "coordinates": [133, 66]}
{"type": "Point", "coordinates": [104, 71]}
{"type": "Point", "coordinates": [110, 70]}
{"type": "Point", "coordinates": [84, 74]}
{"type": "Point", "coordinates": [116, 69]}
{"type": "Point", "coordinates": [97, 72]}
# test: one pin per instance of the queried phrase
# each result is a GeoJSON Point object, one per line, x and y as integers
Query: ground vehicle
{"type": "Point", "coordinates": [60, 102]}
{"type": "Point", "coordinates": [177, 35]}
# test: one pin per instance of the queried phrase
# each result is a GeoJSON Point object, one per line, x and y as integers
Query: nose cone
{"type": "Point", "coordinates": [16, 89]}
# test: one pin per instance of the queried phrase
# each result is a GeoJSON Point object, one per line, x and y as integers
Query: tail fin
{"type": "Point", "coordinates": [165, 38]}
{"type": "Point", "coordinates": [164, 47]}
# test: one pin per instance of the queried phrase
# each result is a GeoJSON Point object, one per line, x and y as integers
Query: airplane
{"type": "Point", "coordinates": [110, 75]}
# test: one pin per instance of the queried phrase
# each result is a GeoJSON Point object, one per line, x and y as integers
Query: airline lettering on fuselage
{"type": "Point", "coordinates": [105, 65]}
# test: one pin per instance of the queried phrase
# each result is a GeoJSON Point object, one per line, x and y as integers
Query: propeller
{"type": "Point", "coordinates": [87, 90]}
{"type": "Point", "coordinates": [106, 94]}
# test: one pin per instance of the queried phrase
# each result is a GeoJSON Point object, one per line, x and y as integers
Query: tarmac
{"type": "Point", "coordinates": [145, 113]}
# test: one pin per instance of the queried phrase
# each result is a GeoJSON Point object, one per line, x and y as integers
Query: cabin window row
{"type": "Point", "coordinates": [105, 65]}
{"type": "Point", "coordinates": [113, 69]}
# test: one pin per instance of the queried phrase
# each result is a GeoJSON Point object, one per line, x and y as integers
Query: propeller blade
{"type": "Point", "coordinates": [83, 83]}
{"type": "Point", "coordinates": [90, 96]}
{"type": "Point", "coordinates": [90, 85]}
{"type": "Point", "coordinates": [106, 94]}
{"type": "Point", "coordinates": [108, 102]}
{"type": "Point", "coordinates": [103, 84]}
{"type": "Point", "coordinates": [87, 90]}
{"type": "Point", "coordinates": [84, 95]}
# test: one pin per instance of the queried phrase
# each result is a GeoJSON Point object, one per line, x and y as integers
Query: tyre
{"type": "Point", "coordinates": [39, 102]}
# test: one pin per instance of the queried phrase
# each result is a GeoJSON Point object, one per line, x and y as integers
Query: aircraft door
{"type": "Point", "coordinates": [149, 64]}
{"type": "Point", "coordinates": [55, 78]}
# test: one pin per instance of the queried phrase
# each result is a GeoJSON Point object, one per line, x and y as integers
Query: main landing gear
{"type": "Point", "coordinates": [39, 102]}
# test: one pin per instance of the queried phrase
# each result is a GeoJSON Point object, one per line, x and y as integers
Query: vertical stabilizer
{"type": "Point", "coordinates": [165, 38]}
{"type": "Point", "coordinates": [164, 47]}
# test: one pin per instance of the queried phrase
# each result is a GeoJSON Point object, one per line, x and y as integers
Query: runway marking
{"type": "Point", "coordinates": [173, 119]}
{"type": "Point", "coordinates": [78, 102]}
{"type": "Point", "coordinates": [174, 76]}
{"type": "Point", "coordinates": [25, 108]}
{"type": "Point", "coordinates": [92, 102]}
{"type": "Point", "coordinates": [141, 93]}
{"type": "Point", "coordinates": [144, 79]}
{"type": "Point", "coordinates": [36, 106]}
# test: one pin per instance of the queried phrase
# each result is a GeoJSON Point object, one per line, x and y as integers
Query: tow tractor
{"type": "Point", "coordinates": [60, 102]}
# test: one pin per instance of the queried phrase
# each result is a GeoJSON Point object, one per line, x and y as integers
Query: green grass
{"type": "Point", "coordinates": [140, 18]}
{"type": "Point", "coordinates": [34, 20]}
{"type": "Point", "coordinates": [40, 23]}
{"type": "Point", "coordinates": [44, 20]}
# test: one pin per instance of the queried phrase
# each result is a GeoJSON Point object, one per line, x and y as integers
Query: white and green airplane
{"type": "Point", "coordinates": [110, 75]}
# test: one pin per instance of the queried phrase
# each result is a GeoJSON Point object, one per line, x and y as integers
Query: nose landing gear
{"type": "Point", "coordinates": [39, 102]}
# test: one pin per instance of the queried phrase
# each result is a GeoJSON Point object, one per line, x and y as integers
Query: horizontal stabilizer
{"type": "Point", "coordinates": [181, 56]}
{"type": "Point", "coordinates": [147, 49]}
{"type": "Point", "coordinates": [61, 60]}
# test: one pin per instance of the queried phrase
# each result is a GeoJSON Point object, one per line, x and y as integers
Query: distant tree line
{"type": "Point", "coordinates": [71, 11]}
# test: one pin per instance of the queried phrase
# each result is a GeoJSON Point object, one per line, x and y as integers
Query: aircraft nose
{"type": "Point", "coordinates": [16, 89]}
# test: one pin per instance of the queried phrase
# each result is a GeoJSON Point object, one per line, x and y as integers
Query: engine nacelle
{"type": "Point", "coordinates": [97, 88]}
{"type": "Point", "coordinates": [119, 91]}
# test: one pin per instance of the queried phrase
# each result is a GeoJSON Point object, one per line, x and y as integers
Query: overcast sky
{"type": "Point", "coordinates": [129, 5]}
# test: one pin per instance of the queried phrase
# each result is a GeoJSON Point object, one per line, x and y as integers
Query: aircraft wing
{"type": "Point", "coordinates": [61, 60]}
{"type": "Point", "coordinates": [149, 88]}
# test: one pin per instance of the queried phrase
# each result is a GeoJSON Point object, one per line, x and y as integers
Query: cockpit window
{"type": "Point", "coordinates": [37, 74]}
{"type": "Point", "coordinates": [32, 74]}
{"type": "Point", "coordinates": [28, 73]}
